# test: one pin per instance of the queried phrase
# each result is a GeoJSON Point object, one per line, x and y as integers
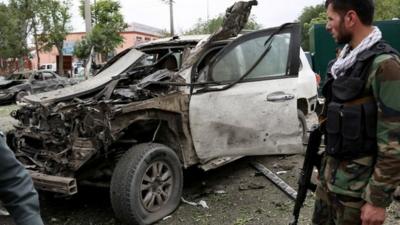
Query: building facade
{"type": "Point", "coordinates": [135, 34]}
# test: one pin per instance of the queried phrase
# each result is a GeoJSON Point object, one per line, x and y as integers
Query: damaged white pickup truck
{"type": "Point", "coordinates": [165, 106]}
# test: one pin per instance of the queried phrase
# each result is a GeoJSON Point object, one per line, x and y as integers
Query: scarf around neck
{"type": "Point", "coordinates": [347, 57]}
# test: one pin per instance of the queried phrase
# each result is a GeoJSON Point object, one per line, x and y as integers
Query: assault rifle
{"type": "Point", "coordinates": [311, 159]}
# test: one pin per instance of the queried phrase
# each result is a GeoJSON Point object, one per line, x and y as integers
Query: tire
{"type": "Point", "coordinates": [20, 95]}
{"type": "Point", "coordinates": [303, 126]}
{"type": "Point", "coordinates": [139, 193]}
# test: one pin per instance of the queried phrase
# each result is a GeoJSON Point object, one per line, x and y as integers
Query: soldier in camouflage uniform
{"type": "Point", "coordinates": [360, 169]}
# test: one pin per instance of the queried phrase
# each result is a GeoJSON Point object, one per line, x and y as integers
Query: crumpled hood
{"type": "Point", "coordinates": [88, 86]}
{"type": "Point", "coordinates": [156, 76]}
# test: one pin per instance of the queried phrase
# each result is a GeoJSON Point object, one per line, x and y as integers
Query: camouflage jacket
{"type": "Point", "coordinates": [373, 180]}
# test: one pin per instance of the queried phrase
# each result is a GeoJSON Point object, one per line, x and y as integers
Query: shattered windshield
{"type": "Point", "coordinates": [145, 60]}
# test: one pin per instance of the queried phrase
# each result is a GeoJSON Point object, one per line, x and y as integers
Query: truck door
{"type": "Point", "coordinates": [258, 115]}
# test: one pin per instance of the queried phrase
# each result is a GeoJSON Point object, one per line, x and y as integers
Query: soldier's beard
{"type": "Point", "coordinates": [344, 36]}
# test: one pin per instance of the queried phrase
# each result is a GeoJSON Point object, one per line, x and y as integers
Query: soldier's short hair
{"type": "Point", "coordinates": [364, 8]}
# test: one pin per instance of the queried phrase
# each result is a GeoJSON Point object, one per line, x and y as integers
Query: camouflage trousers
{"type": "Point", "coordinates": [334, 209]}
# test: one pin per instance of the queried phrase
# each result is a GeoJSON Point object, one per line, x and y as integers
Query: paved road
{"type": "Point", "coordinates": [6, 121]}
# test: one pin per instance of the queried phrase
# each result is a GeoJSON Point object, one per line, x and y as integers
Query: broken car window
{"type": "Point", "coordinates": [47, 76]}
{"type": "Point", "coordinates": [37, 76]}
{"type": "Point", "coordinates": [242, 57]}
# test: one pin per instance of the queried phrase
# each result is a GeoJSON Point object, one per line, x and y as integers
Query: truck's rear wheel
{"type": "Point", "coordinates": [146, 184]}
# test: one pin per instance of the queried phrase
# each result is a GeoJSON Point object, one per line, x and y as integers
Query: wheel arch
{"type": "Point", "coordinates": [302, 105]}
{"type": "Point", "coordinates": [158, 126]}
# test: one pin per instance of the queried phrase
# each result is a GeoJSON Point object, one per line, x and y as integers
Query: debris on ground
{"type": "Point", "coordinates": [250, 186]}
{"type": "Point", "coordinates": [281, 172]}
{"type": "Point", "coordinates": [281, 184]}
{"type": "Point", "coordinates": [201, 203]}
{"type": "Point", "coordinates": [219, 192]}
{"type": "Point", "coordinates": [167, 217]}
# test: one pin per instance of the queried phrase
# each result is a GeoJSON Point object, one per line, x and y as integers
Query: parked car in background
{"type": "Point", "coordinates": [77, 68]}
{"type": "Point", "coordinates": [20, 84]}
{"type": "Point", "coordinates": [49, 67]}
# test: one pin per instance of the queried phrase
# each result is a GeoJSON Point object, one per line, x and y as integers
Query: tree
{"type": "Point", "coordinates": [82, 49]}
{"type": "Point", "coordinates": [307, 15]}
{"type": "Point", "coordinates": [11, 45]}
{"type": "Point", "coordinates": [38, 18]}
{"type": "Point", "coordinates": [55, 18]}
{"type": "Point", "coordinates": [17, 28]}
{"type": "Point", "coordinates": [387, 9]}
{"type": "Point", "coordinates": [320, 19]}
{"type": "Point", "coordinates": [8, 40]}
{"type": "Point", "coordinates": [45, 21]}
{"type": "Point", "coordinates": [208, 27]}
{"type": "Point", "coordinates": [384, 10]}
{"type": "Point", "coordinates": [105, 35]}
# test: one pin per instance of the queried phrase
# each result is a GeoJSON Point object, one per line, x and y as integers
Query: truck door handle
{"type": "Point", "coordinates": [279, 96]}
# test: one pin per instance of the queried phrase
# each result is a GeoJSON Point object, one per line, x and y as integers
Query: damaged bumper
{"type": "Point", "coordinates": [57, 184]}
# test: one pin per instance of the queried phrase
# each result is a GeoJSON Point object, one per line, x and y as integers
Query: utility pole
{"type": "Point", "coordinates": [208, 16]}
{"type": "Point", "coordinates": [171, 17]}
{"type": "Point", "coordinates": [208, 11]}
{"type": "Point", "coordinates": [88, 17]}
{"type": "Point", "coordinates": [88, 23]}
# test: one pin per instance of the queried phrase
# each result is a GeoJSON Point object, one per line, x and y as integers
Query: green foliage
{"type": "Point", "coordinates": [320, 19]}
{"type": "Point", "coordinates": [105, 39]}
{"type": "Point", "coordinates": [105, 35]}
{"type": "Point", "coordinates": [307, 15]}
{"type": "Point", "coordinates": [387, 9]}
{"type": "Point", "coordinates": [14, 29]}
{"type": "Point", "coordinates": [82, 49]}
{"type": "Point", "coordinates": [165, 33]}
{"type": "Point", "coordinates": [45, 21]}
{"type": "Point", "coordinates": [11, 44]}
{"type": "Point", "coordinates": [55, 18]}
{"type": "Point", "coordinates": [211, 26]}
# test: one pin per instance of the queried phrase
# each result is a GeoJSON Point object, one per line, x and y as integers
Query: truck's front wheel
{"type": "Point", "coordinates": [146, 184]}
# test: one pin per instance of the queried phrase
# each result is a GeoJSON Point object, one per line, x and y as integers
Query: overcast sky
{"type": "Point", "coordinates": [187, 12]}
